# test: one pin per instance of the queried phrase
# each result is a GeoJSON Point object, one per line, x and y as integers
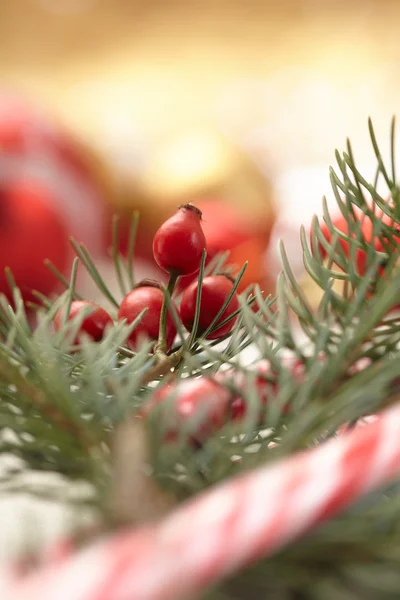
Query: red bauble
{"type": "Point", "coordinates": [202, 401]}
{"type": "Point", "coordinates": [93, 325]}
{"type": "Point", "coordinates": [215, 291]}
{"type": "Point", "coordinates": [31, 230]}
{"type": "Point", "coordinates": [34, 146]}
{"type": "Point", "coordinates": [180, 241]}
{"type": "Point", "coordinates": [146, 295]}
{"type": "Point", "coordinates": [29, 133]}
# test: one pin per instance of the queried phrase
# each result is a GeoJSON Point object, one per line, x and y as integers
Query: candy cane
{"type": "Point", "coordinates": [227, 528]}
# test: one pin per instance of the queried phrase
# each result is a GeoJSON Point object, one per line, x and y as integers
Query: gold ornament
{"type": "Point", "coordinates": [203, 164]}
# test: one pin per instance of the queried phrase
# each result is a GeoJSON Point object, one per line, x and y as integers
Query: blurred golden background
{"type": "Point", "coordinates": [152, 68]}
{"type": "Point", "coordinates": [240, 101]}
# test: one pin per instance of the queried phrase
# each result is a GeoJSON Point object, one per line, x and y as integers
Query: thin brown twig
{"type": "Point", "coordinates": [164, 365]}
{"type": "Point", "coordinates": [135, 496]}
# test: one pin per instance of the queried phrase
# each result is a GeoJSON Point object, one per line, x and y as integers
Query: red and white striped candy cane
{"type": "Point", "coordinates": [227, 528]}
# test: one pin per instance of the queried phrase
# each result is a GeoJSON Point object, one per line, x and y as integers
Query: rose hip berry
{"type": "Point", "coordinates": [201, 401]}
{"type": "Point", "coordinates": [148, 295]}
{"type": "Point", "coordinates": [238, 409]}
{"type": "Point", "coordinates": [93, 325]}
{"type": "Point", "coordinates": [180, 241]}
{"type": "Point", "coordinates": [215, 291]}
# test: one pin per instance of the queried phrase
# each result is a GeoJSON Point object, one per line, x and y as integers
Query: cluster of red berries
{"type": "Point", "coordinates": [177, 248]}
{"type": "Point", "coordinates": [204, 405]}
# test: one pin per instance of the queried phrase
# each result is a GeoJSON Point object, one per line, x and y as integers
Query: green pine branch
{"type": "Point", "coordinates": [67, 404]}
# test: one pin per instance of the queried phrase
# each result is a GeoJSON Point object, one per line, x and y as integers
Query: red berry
{"type": "Point", "coordinates": [202, 401]}
{"type": "Point", "coordinates": [180, 241]}
{"type": "Point", "coordinates": [215, 291]}
{"type": "Point", "coordinates": [358, 366]}
{"type": "Point", "coordinates": [266, 382]}
{"type": "Point", "coordinates": [266, 371]}
{"type": "Point", "coordinates": [146, 295]}
{"type": "Point", "coordinates": [93, 325]}
{"type": "Point", "coordinates": [225, 230]}
{"type": "Point", "coordinates": [238, 408]}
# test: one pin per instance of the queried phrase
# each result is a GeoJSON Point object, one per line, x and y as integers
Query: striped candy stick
{"type": "Point", "coordinates": [227, 528]}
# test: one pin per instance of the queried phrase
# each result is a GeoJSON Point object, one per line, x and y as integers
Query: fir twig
{"type": "Point", "coordinates": [162, 336]}
{"type": "Point", "coordinates": [131, 248]}
{"type": "Point", "coordinates": [11, 375]}
{"type": "Point", "coordinates": [66, 403]}
{"type": "Point", "coordinates": [116, 256]}
{"type": "Point", "coordinates": [87, 261]}
{"type": "Point", "coordinates": [71, 290]}
{"type": "Point", "coordinates": [63, 280]}
{"type": "Point", "coordinates": [193, 333]}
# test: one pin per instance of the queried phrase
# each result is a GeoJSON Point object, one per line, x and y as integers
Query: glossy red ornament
{"type": "Point", "coordinates": [93, 325]}
{"type": "Point", "coordinates": [146, 295]}
{"type": "Point", "coordinates": [35, 146]}
{"type": "Point", "coordinates": [215, 291]}
{"type": "Point", "coordinates": [29, 133]}
{"type": "Point", "coordinates": [31, 230]}
{"type": "Point", "coordinates": [201, 401]}
{"type": "Point", "coordinates": [180, 241]}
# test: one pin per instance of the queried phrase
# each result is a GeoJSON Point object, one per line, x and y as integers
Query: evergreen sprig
{"type": "Point", "coordinates": [65, 404]}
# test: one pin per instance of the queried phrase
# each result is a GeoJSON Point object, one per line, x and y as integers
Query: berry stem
{"type": "Point", "coordinates": [161, 346]}
{"type": "Point", "coordinates": [162, 367]}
